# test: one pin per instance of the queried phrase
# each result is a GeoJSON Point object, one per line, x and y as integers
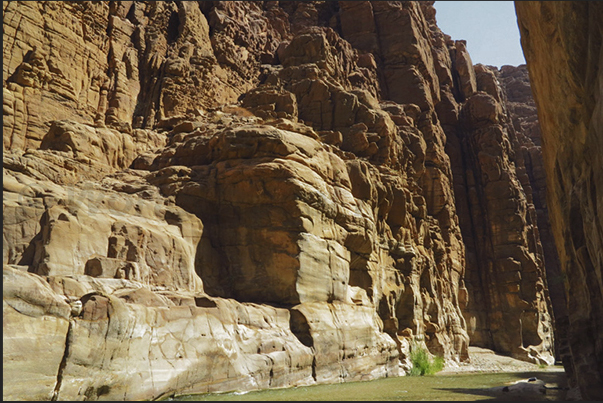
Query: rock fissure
{"type": "Point", "coordinates": [63, 364]}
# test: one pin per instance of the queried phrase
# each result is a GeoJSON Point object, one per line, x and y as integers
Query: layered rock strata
{"type": "Point", "coordinates": [498, 189]}
{"type": "Point", "coordinates": [563, 48]}
{"type": "Point", "coordinates": [213, 196]}
{"type": "Point", "coordinates": [528, 147]}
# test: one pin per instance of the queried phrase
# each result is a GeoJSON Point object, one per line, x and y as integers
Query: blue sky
{"type": "Point", "coordinates": [489, 27]}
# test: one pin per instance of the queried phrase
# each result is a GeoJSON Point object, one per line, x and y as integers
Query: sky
{"type": "Point", "coordinates": [489, 27]}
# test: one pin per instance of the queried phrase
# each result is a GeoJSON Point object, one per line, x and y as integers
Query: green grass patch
{"type": "Point", "coordinates": [422, 364]}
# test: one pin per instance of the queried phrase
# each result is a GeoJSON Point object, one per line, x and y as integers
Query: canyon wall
{"type": "Point", "coordinates": [563, 48]}
{"type": "Point", "coordinates": [499, 185]}
{"type": "Point", "coordinates": [215, 196]}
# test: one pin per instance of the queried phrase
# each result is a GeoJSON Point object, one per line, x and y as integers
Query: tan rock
{"type": "Point", "coordinates": [36, 323]}
{"type": "Point", "coordinates": [515, 265]}
{"type": "Point", "coordinates": [219, 196]}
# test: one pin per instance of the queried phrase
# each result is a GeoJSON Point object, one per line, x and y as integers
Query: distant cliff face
{"type": "Point", "coordinates": [499, 181]}
{"type": "Point", "coordinates": [562, 42]}
{"type": "Point", "coordinates": [212, 196]}
{"type": "Point", "coordinates": [528, 150]}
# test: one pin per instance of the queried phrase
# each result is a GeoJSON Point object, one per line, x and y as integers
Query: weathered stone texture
{"type": "Point", "coordinates": [214, 196]}
{"type": "Point", "coordinates": [511, 269]}
{"type": "Point", "coordinates": [528, 151]}
{"type": "Point", "coordinates": [562, 43]}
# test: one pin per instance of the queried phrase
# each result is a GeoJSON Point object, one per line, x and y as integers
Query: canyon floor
{"type": "Point", "coordinates": [485, 360]}
{"type": "Point", "coordinates": [489, 376]}
{"type": "Point", "coordinates": [533, 382]}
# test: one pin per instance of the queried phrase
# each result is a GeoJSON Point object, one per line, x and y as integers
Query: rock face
{"type": "Point", "coordinates": [563, 47]}
{"type": "Point", "coordinates": [520, 102]}
{"type": "Point", "coordinates": [215, 196]}
{"type": "Point", "coordinates": [505, 269]}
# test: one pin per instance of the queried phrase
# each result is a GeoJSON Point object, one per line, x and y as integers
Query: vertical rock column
{"type": "Point", "coordinates": [398, 38]}
{"type": "Point", "coordinates": [562, 43]}
{"type": "Point", "coordinates": [511, 270]}
{"type": "Point", "coordinates": [520, 104]}
{"type": "Point", "coordinates": [504, 274]}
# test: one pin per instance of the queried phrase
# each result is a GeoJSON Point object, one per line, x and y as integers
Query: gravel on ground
{"type": "Point", "coordinates": [484, 360]}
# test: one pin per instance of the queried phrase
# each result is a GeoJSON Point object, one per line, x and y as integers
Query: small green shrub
{"type": "Point", "coordinates": [438, 364]}
{"type": "Point", "coordinates": [422, 365]}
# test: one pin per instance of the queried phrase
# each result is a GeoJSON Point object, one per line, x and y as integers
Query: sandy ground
{"type": "Point", "coordinates": [540, 383]}
{"type": "Point", "coordinates": [484, 360]}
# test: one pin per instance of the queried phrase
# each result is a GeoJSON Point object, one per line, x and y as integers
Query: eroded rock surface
{"type": "Point", "coordinates": [495, 189]}
{"type": "Point", "coordinates": [214, 196]}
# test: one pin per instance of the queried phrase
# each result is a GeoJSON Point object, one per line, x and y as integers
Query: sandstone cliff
{"type": "Point", "coordinates": [211, 196]}
{"type": "Point", "coordinates": [499, 180]}
{"type": "Point", "coordinates": [563, 48]}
